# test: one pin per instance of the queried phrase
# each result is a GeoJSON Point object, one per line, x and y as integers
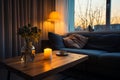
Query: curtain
{"type": "Point", "coordinates": [61, 27]}
{"type": "Point", "coordinates": [67, 16]}
{"type": "Point", "coordinates": [17, 13]}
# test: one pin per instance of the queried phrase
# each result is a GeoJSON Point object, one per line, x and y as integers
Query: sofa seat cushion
{"type": "Point", "coordinates": [110, 59]}
{"type": "Point", "coordinates": [93, 54]}
{"type": "Point", "coordinates": [85, 51]}
{"type": "Point", "coordinates": [109, 64]}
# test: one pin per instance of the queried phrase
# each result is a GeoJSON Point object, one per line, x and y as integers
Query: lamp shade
{"type": "Point", "coordinates": [54, 16]}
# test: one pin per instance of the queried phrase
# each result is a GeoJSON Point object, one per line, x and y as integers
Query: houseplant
{"type": "Point", "coordinates": [30, 34]}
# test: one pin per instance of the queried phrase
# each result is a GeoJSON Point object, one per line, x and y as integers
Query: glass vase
{"type": "Point", "coordinates": [27, 52]}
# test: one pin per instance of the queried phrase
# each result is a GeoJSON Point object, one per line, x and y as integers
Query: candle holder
{"type": "Point", "coordinates": [62, 53]}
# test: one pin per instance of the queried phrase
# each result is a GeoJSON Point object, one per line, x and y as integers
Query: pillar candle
{"type": "Point", "coordinates": [47, 53]}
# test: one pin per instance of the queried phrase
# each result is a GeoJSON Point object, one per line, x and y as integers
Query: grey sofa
{"type": "Point", "coordinates": [103, 49]}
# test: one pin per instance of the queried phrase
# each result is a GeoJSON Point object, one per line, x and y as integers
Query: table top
{"type": "Point", "coordinates": [40, 67]}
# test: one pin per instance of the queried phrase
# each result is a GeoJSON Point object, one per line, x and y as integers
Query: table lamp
{"type": "Point", "coordinates": [53, 18]}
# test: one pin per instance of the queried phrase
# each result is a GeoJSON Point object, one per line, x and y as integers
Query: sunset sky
{"type": "Point", "coordinates": [80, 8]}
{"type": "Point", "coordinates": [115, 7]}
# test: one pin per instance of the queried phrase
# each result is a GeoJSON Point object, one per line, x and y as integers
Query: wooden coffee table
{"type": "Point", "coordinates": [40, 68]}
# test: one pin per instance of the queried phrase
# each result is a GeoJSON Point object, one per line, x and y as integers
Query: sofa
{"type": "Point", "coordinates": [103, 49]}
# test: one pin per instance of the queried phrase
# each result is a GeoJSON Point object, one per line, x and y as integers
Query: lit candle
{"type": "Point", "coordinates": [47, 53]}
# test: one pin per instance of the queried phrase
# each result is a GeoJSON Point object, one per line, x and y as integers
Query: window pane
{"type": "Point", "coordinates": [90, 12]}
{"type": "Point", "coordinates": [115, 15]}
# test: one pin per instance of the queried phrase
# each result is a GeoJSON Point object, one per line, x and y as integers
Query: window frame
{"type": "Point", "coordinates": [108, 16]}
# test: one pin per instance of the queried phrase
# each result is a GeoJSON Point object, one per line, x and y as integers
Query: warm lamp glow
{"type": "Point", "coordinates": [54, 16]}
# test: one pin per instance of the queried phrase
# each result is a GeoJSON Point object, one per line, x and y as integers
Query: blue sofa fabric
{"type": "Point", "coordinates": [103, 50]}
{"type": "Point", "coordinates": [56, 41]}
{"type": "Point", "coordinates": [90, 52]}
{"type": "Point", "coordinates": [108, 42]}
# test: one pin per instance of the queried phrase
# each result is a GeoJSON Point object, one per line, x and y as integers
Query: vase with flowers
{"type": "Point", "coordinates": [30, 34]}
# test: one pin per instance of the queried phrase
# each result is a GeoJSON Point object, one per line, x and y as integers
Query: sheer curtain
{"type": "Point", "coordinates": [66, 10]}
{"type": "Point", "coordinates": [16, 13]}
{"type": "Point", "coordinates": [61, 27]}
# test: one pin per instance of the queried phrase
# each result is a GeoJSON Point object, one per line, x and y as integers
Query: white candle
{"type": "Point", "coordinates": [47, 53]}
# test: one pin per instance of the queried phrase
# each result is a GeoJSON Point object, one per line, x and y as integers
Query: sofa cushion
{"type": "Point", "coordinates": [75, 41]}
{"type": "Point", "coordinates": [56, 40]}
{"type": "Point", "coordinates": [107, 42]}
{"type": "Point", "coordinates": [93, 54]}
{"type": "Point", "coordinates": [69, 42]}
{"type": "Point", "coordinates": [85, 51]}
{"type": "Point", "coordinates": [110, 58]}
{"type": "Point", "coordinates": [82, 40]}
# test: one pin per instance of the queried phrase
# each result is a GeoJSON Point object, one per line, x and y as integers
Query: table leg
{"type": "Point", "coordinates": [8, 75]}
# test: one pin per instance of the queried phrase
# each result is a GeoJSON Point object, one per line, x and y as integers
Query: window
{"type": "Point", "coordinates": [91, 15]}
{"type": "Point", "coordinates": [115, 15]}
